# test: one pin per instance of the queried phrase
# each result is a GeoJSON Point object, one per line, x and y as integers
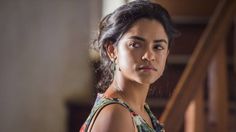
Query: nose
{"type": "Point", "coordinates": [148, 55]}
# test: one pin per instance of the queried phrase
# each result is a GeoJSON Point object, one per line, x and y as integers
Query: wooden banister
{"type": "Point", "coordinates": [197, 66]}
{"type": "Point", "coordinates": [194, 117]}
{"type": "Point", "coordinates": [218, 91]}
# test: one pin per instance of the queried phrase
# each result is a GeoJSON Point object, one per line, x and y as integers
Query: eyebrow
{"type": "Point", "coordinates": [142, 39]}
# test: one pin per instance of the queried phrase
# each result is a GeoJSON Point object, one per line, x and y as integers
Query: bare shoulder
{"type": "Point", "coordinates": [115, 118]}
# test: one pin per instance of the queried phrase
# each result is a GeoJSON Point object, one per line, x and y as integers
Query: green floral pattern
{"type": "Point", "coordinates": [140, 123]}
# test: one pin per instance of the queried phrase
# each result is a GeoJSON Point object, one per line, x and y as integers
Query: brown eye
{"type": "Point", "coordinates": [134, 45]}
{"type": "Point", "coordinates": [158, 47]}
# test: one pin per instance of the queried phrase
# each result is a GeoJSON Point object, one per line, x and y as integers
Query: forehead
{"type": "Point", "coordinates": [147, 28]}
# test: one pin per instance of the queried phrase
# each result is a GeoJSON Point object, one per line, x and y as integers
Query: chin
{"type": "Point", "coordinates": [146, 81]}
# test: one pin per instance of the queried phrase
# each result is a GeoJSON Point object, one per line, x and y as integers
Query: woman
{"type": "Point", "coordinates": [134, 43]}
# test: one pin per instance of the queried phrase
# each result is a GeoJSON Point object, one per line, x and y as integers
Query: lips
{"type": "Point", "coordinates": [147, 68]}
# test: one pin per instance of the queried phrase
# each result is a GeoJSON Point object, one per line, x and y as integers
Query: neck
{"type": "Point", "coordinates": [131, 92]}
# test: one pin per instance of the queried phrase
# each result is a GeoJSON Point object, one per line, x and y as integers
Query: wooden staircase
{"type": "Point", "coordinates": [208, 58]}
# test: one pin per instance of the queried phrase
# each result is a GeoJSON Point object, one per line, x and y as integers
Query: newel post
{"type": "Point", "coordinates": [194, 116]}
{"type": "Point", "coordinates": [218, 91]}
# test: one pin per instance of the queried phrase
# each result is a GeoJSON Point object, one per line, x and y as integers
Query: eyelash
{"type": "Point", "coordinates": [137, 45]}
{"type": "Point", "coordinates": [158, 47]}
{"type": "Point", "coordinates": [134, 45]}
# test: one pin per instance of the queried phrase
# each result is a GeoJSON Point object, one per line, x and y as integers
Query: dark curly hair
{"type": "Point", "coordinates": [113, 26]}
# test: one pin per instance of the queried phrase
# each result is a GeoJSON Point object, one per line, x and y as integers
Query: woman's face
{"type": "Point", "coordinates": [142, 52]}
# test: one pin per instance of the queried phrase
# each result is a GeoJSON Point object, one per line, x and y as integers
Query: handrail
{"type": "Point", "coordinates": [197, 66]}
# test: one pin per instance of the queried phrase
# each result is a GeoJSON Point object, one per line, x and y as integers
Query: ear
{"type": "Point", "coordinates": [111, 51]}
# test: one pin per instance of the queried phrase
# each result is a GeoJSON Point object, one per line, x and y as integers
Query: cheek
{"type": "Point", "coordinates": [162, 60]}
{"type": "Point", "coordinates": [164, 57]}
{"type": "Point", "coordinates": [127, 60]}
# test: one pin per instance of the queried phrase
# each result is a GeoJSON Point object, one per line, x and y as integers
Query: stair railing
{"type": "Point", "coordinates": [197, 68]}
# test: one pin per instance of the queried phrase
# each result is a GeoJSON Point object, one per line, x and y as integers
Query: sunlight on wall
{"type": "Point", "coordinates": [111, 5]}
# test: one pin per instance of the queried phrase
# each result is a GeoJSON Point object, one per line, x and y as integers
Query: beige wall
{"type": "Point", "coordinates": [43, 62]}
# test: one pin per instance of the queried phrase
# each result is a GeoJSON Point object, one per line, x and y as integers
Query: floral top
{"type": "Point", "coordinates": [141, 124]}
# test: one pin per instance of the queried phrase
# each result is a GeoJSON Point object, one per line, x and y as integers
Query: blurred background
{"type": "Point", "coordinates": [47, 72]}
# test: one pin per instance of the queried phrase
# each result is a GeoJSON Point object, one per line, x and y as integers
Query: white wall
{"type": "Point", "coordinates": [43, 62]}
